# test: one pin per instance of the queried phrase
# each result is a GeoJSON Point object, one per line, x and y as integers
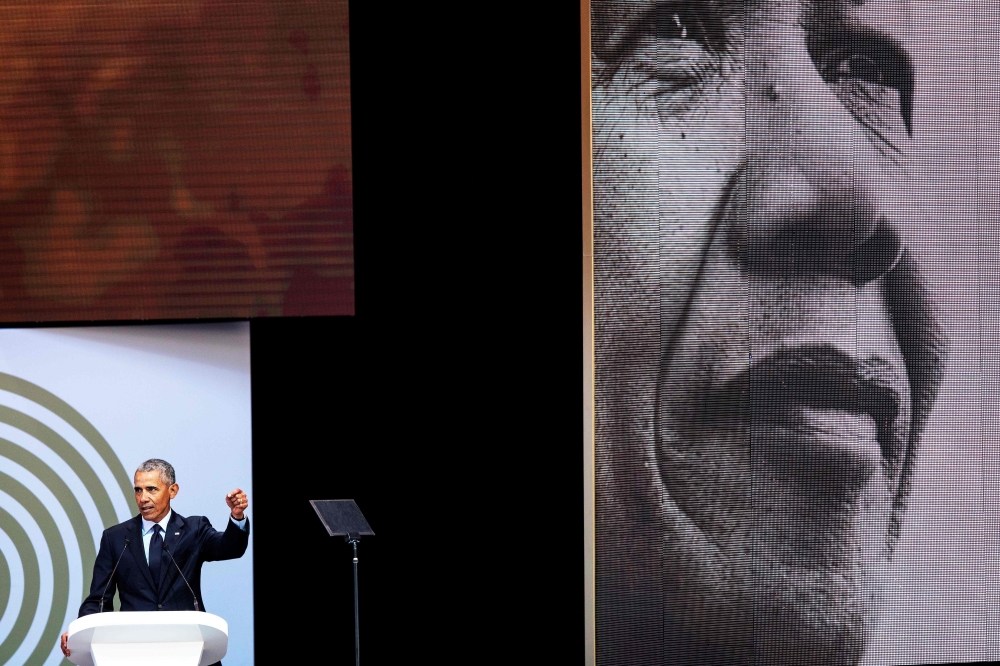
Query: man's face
{"type": "Point", "coordinates": [153, 495]}
{"type": "Point", "coordinates": [765, 353]}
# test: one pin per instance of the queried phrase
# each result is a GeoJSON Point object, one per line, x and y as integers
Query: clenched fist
{"type": "Point", "coordinates": [237, 502]}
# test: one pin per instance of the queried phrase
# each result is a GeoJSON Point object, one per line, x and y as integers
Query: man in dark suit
{"type": "Point", "coordinates": [146, 579]}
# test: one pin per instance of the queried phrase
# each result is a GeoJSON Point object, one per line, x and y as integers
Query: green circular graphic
{"type": "Point", "coordinates": [4, 584]}
{"type": "Point", "coordinates": [32, 584]}
{"type": "Point", "coordinates": [36, 509]}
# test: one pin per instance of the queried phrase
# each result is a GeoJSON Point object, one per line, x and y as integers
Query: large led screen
{"type": "Point", "coordinates": [80, 410]}
{"type": "Point", "coordinates": [165, 159]}
{"type": "Point", "coordinates": [794, 332]}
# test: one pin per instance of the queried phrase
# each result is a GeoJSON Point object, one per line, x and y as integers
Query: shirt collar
{"type": "Point", "coordinates": [147, 525]}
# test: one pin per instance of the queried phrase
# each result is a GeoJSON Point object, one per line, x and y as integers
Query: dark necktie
{"type": "Point", "coordinates": [155, 553]}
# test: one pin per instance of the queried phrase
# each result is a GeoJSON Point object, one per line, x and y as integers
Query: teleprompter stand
{"type": "Point", "coordinates": [344, 518]}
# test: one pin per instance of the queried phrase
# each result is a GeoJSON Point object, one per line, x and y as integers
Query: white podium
{"type": "Point", "coordinates": [159, 638]}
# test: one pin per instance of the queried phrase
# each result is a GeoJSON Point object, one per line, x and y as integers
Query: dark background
{"type": "Point", "coordinates": [449, 406]}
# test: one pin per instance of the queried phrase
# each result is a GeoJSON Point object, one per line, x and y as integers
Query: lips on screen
{"type": "Point", "coordinates": [759, 516]}
{"type": "Point", "coordinates": [179, 160]}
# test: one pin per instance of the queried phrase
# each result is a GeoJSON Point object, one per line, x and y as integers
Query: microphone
{"type": "Point", "coordinates": [167, 550]}
{"type": "Point", "coordinates": [112, 577]}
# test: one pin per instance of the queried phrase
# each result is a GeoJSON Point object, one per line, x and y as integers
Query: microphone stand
{"type": "Point", "coordinates": [112, 576]}
{"type": "Point", "coordinates": [353, 538]}
{"type": "Point", "coordinates": [193, 596]}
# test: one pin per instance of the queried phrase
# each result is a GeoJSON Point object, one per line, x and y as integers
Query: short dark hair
{"type": "Point", "coordinates": [165, 469]}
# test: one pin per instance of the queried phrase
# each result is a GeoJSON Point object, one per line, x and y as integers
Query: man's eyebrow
{"type": "Point", "coordinates": [616, 34]}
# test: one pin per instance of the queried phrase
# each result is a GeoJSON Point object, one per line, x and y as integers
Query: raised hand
{"type": "Point", "coordinates": [237, 502]}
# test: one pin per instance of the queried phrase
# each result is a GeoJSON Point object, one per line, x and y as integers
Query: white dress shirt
{"type": "Point", "coordinates": [147, 529]}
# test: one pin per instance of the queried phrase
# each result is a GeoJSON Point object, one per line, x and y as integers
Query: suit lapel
{"type": "Point", "coordinates": [138, 552]}
{"type": "Point", "coordinates": [173, 537]}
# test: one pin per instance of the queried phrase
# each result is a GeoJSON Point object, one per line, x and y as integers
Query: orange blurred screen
{"type": "Point", "coordinates": [174, 159]}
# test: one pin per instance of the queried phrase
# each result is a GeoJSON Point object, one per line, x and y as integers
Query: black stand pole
{"type": "Point", "coordinates": [353, 540]}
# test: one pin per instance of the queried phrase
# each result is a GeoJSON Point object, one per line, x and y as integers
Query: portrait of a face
{"type": "Point", "coordinates": [767, 348]}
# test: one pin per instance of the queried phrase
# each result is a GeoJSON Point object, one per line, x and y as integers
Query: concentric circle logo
{"type": "Point", "coordinates": [61, 484]}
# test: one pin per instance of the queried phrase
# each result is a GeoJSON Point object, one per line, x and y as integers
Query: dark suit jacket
{"type": "Point", "coordinates": [191, 541]}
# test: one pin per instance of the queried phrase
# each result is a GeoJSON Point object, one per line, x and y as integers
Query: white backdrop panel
{"type": "Point", "coordinates": [177, 392]}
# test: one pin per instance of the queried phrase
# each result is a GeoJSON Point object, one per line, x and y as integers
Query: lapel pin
{"type": "Point", "coordinates": [177, 533]}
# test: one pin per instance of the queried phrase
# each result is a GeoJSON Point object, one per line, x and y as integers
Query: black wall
{"type": "Point", "coordinates": [449, 406]}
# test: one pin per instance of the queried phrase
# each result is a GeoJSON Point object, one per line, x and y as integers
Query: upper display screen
{"type": "Point", "coordinates": [175, 159]}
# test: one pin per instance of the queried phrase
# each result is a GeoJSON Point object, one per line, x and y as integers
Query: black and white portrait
{"type": "Point", "coordinates": [791, 320]}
